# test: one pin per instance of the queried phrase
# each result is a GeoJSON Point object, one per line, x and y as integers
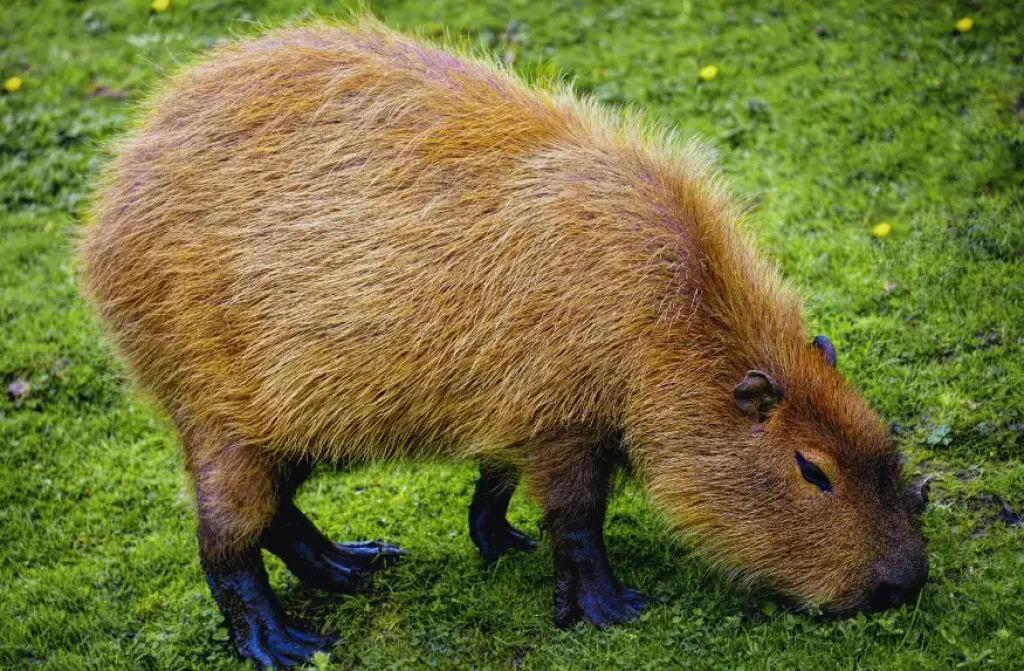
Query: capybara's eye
{"type": "Point", "coordinates": [813, 474]}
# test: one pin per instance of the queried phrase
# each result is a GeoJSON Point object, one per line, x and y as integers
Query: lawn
{"type": "Point", "coordinates": [829, 122]}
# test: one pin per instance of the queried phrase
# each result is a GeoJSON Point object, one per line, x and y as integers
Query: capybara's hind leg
{"type": "Point", "coordinates": [319, 562]}
{"type": "Point", "coordinates": [236, 500]}
{"type": "Point", "coordinates": [488, 528]}
{"type": "Point", "coordinates": [572, 481]}
{"type": "Point", "coordinates": [314, 559]}
{"type": "Point", "coordinates": [259, 628]}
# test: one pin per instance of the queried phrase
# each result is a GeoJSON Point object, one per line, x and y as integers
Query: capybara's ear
{"type": "Point", "coordinates": [919, 491]}
{"type": "Point", "coordinates": [824, 345]}
{"type": "Point", "coordinates": [759, 391]}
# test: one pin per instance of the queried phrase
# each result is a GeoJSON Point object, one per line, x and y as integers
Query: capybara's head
{"type": "Point", "coordinates": [798, 487]}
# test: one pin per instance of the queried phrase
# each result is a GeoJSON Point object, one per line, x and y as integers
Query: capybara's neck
{"type": "Point", "coordinates": [731, 313]}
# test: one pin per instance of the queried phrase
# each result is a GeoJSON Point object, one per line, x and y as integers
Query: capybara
{"type": "Point", "coordinates": [338, 243]}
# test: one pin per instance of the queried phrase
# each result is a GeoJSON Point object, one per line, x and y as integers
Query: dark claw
{"type": "Point", "coordinates": [514, 538]}
{"type": "Point", "coordinates": [321, 641]}
{"type": "Point", "coordinates": [255, 653]}
{"type": "Point", "coordinates": [494, 541]}
{"type": "Point", "coordinates": [638, 600]}
{"type": "Point", "coordinates": [330, 572]}
{"type": "Point", "coordinates": [371, 554]}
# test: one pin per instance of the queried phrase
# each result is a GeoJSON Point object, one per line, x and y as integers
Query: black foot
{"type": "Point", "coordinates": [259, 629]}
{"type": "Point", "coordinates": [495, 539]}
{"type": "Point", "coordinates": [488, 528]}
{"type": "Point", "coordinates": [603, 607]}
{"type": "Point", "coordinates": [344, 567]}
{"type": "Point", "coordinates": [319, 563]}
{"type": "Point", "coordinates": [282, 648]}
{"type": "Point", "coordinates": [575, 502]}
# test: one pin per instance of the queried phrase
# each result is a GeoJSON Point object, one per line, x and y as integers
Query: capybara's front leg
{"type": "Point", "coordinates": [488, 527]}
{"type": "Point", "coordinates": [574, 494]}
{"type": "Point", "coordinates": [237, 496]}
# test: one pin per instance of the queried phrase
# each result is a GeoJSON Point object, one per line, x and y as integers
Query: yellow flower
{"type": "Point", "coordinates": [161, 5]}
{"type": "Point", "coordinates": [882, 230]}
{"type": "Point", "coordinates": [708, 73]}
{"type": "Point", "coordinates": [965, 24]}
{"type": "Point", "coordinates": [12, 84]}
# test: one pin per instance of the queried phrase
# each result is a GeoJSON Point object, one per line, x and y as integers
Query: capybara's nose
{"type": "Point", "coordinates": [887, 595]}
{"type": "Point", "coordinates": [893, 594]}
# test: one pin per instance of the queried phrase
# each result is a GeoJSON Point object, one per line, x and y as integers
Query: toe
{"type": "Point", "coordinates": [604, 609]}
{"type": "Point", "coordinates": [596, 611]}
{"type": "Point", "coordinates": [567, 612]}
{"type": "Point", "coordinates": [351, 578]}
{"type": "Point", "coordinates": [490, 555]}
{"type": "Point", "coordinates": [367, 553]}
{"type": "Point", "coordinates": [292, 647]}
{"type": "Point", "coordinates": [519, 540]}
{"type": "Point", "coordinates": [638, 600]}
{"type": "Point", "coordinates": [322, 641]}
{"type": "Point", "coordinates": [258, 655]}
{"type": "Point", "coordinates": [330, 572]}
{"type": "Point", "coordinates": [500, 540]}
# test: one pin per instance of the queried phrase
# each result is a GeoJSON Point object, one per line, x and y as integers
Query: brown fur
{"type": "Point", "coordinates": [341, 242]}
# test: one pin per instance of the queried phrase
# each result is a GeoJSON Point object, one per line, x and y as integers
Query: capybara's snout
{"type": "Point", "coordinates": [897, 581]}
{"type": "Point", "coordinates": [900, 581]}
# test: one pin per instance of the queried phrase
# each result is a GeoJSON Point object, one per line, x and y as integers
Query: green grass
{"type": "Point", "coordinates": [829, 121]}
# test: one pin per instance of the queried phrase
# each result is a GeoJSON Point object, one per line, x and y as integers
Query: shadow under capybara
{"type": "Point", "coordinates": [338, 243]}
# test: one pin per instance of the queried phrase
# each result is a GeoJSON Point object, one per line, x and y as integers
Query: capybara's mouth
{"type": "Point", "coordinates": [827, 614]}
{"type": "Point", "coordinates": [824, 613]}
{"type": "Point", "coordinates": [869, 604]}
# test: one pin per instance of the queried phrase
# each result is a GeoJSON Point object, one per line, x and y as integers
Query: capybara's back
{"type": "Point", "coordinates": [340, 243]}
{"type": "Point", "coordinates": [395, 250]}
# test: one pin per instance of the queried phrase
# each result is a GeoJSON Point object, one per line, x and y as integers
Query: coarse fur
{"type": "Point", "coordinates": [342, 243]}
